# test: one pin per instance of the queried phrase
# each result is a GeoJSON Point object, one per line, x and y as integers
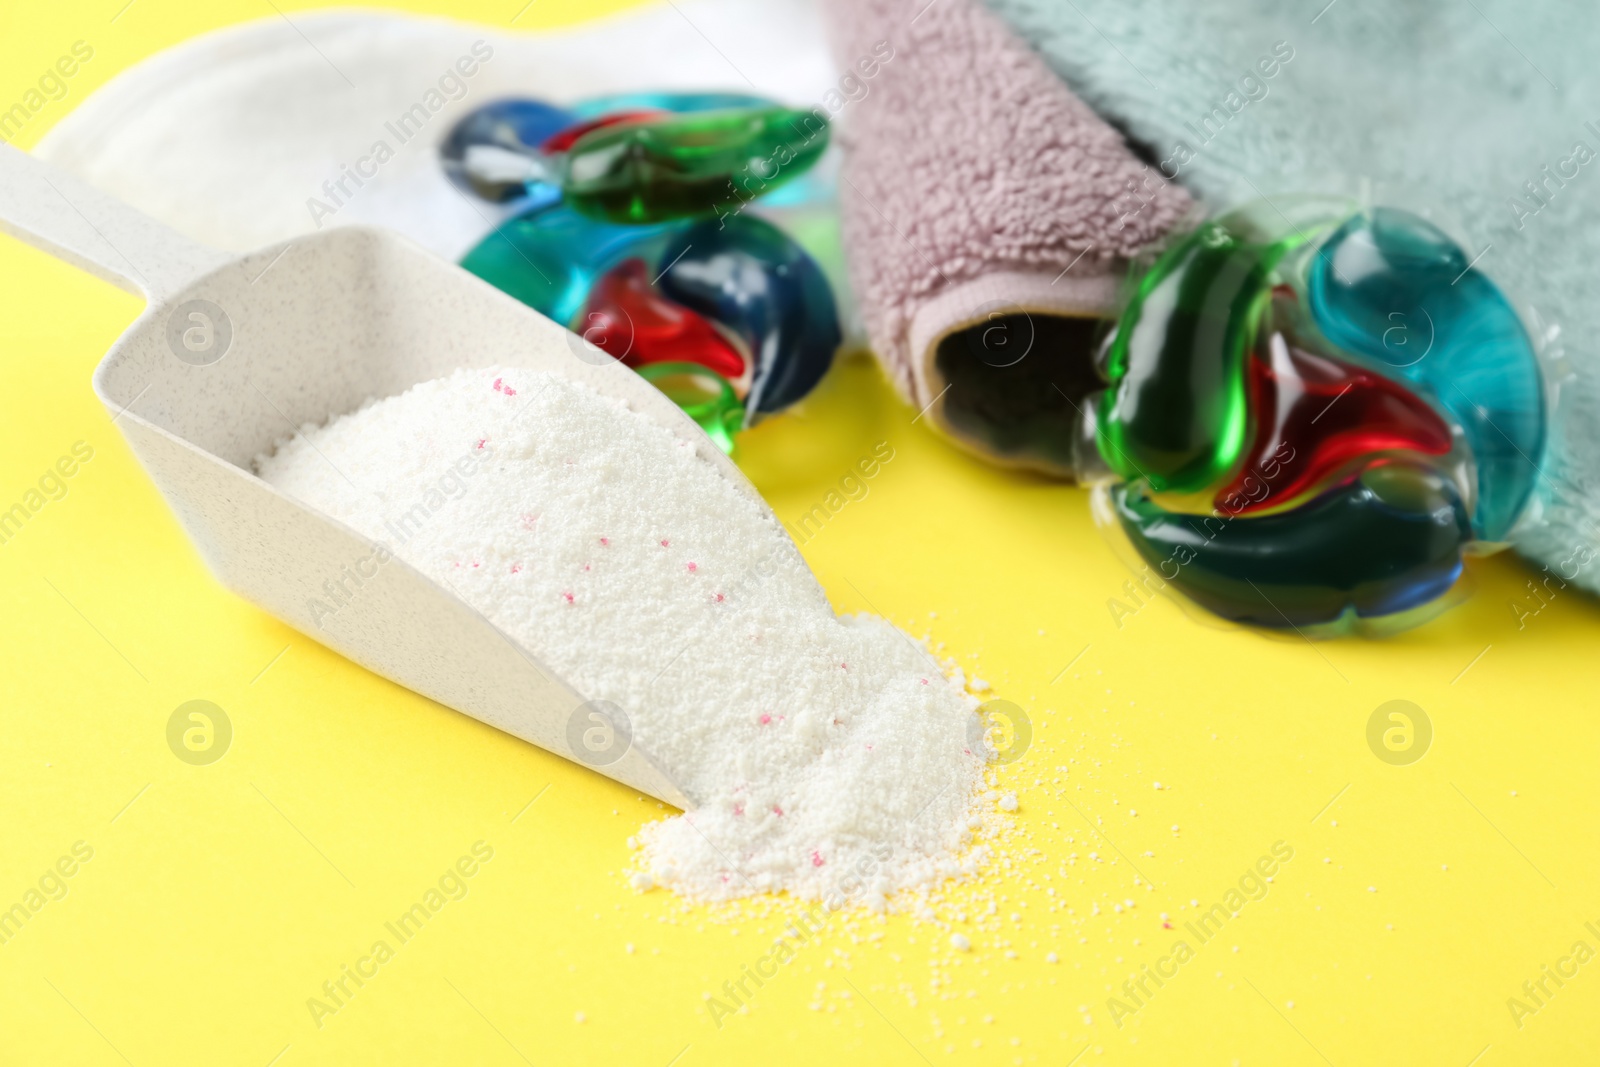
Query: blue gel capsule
{"type": "Point", "coordinates": [752, 278]}
{"type": "Point", "coordinates": [1392, 287]}
{"type": "Point", "coordinates": [517, 126]}
{"type": "Point", "coordinates": [549, 257]}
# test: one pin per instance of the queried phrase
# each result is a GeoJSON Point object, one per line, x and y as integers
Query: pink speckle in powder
{"type": "Point", "coordinates": [816, 858]}
{"type": "Point", "coordinates": [516, 568]}
{"type": "Point", "coordinates": [738, 807]}
{"type": "Point", "coordinates": [586, 566]}
{"type": "Point", "coordinates": [844, 666]}
{"type": "Point", "coordinates": [475, 563]}
{"type": "Point", "coordinates": [765, 719]}
{"type": "Point", "coordinates": [924, 681]}
{"type": "Point", "coordinates": [499, 387]}
{"type": "Point", "coordinates": [482, 441]}
{"type": "Point", "coordinates": [529, 519]}
{"type": "Point", "coordinates": [720, 598]}
{"type": "Point", "coordinates": [778, 810]}
{"type": "Point", "coordinates": [568, 597]}
{"type": "Point", "coordinates": [693, 566]}
{"type": "Point", "coordinates": [605, 540]}
{"type": "Point", "coordinates": [665, 543]}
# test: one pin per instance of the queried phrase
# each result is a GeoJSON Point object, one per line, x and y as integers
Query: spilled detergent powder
{"type": "Point", "coordinates": [829, 756]}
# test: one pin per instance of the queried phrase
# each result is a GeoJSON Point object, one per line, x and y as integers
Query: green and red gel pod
{"type": "Point", "coordinates": [631, 229]}
{"type": "Point", "coordinates": [1309, 420]}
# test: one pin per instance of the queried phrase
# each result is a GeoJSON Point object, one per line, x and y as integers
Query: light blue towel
{"type": "Point", "coordinates": [1467, 112]}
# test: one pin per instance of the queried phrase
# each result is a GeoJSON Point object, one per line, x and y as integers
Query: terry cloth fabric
{"type": "Point", "coordinates": [975, 184]}
{"type": "Point", "coordinates": [1484, 117]}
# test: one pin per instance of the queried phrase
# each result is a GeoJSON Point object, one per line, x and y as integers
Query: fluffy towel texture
{"type": "Point", "coordinates": [1413, 104]}
{"type": "Point", "coordinates": [972, 179]}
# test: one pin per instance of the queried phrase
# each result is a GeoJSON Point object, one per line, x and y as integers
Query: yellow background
{"type": "Point", "coordinates": [219, 898]}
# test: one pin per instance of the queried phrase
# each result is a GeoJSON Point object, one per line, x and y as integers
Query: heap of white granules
{"type": "Point", "coordinates": [828, 756]}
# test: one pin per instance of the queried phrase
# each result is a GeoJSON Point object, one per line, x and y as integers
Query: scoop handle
{"type": "Point", "coordinates": [77, 223]}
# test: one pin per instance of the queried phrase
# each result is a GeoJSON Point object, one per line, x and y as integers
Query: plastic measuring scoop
{"type": "Point", "coordinates": [233, 353]}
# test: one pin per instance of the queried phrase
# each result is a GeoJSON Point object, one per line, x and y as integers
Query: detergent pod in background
{"type": "Point", "coordinates": [1312, 414]}
{"type": "Point", "coordinates": [503, 131]}
{"type": "Point", "coordinates": [629, 226]}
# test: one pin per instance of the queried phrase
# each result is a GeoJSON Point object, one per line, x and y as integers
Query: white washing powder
{"type": "Point", "coordinates": [828, 755]}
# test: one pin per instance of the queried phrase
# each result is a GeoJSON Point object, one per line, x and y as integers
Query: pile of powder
{"type": "Point", "coordinates": [828, 756]}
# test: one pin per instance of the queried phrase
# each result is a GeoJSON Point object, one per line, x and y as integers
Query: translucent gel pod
{"type": "Point", "coordinates": [1175, 414]}
{"type": "Point", "coordinates": [565, 139]}
{"type": "Point", "coordinates": [1384, 543]}
{"type": "Point", "coordinates": [514, 126]}
{"type": "Point", "coordinates": [689, 166]}
{"type": "Point", "coordinates": [748, 276]}
{"type": "Point", "coordinates": [1315, 419]}
{"type": "Point", "coordinates": [704, 395]}
{"type": "Point", "coordinates": [629, 319]}
{"type": "Point", "coordinates": [549, 258]}
{"type": "Point", "coordinates": [806, 208]}
{"type": "Point", "coordinates": [1392, 287]}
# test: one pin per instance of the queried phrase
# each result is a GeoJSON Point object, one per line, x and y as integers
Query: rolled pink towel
{"type": "Point", "coordinates": [988, 217]}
